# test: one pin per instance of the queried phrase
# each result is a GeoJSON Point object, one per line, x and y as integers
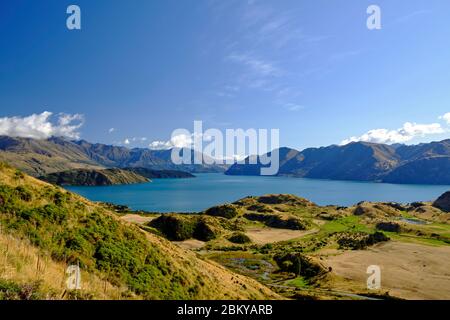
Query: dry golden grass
{"type": "Point", "coordinates": [24, 264]}
{"type": "Point", "coordinates": [408, 270]}
{"type": "Point", "coordinates": [262, 236]}
{"type": "Point", "coordinates": [218, 282]}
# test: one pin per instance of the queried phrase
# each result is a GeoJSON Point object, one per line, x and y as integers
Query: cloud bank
{"type": "Point", "coordinates": [41, 126]}
{"type": "Point", "coordinates": [179, 141]}
{"type": "Point", "coordinates": [404, 134]}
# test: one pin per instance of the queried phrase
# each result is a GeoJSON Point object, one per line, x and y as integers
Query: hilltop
{"type": "Point", "coordinates": [45, 228]}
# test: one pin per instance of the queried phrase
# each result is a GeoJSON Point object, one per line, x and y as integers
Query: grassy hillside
{"type": "Point", "coordinates": [95, 177]}
{"type": "Point", "coordinates": [39, 157]}
{"type": "Point", "coordinates": [64, 229]}
{"type": "Point", "coordinates": [27, 273]}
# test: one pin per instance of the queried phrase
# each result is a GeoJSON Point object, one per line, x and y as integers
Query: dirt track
{"type": "Point", "coordinates": [408, 270]}
{"type": "Point", "coordinates": [190, 244]}
{"type": "Point", "coordinates": [135, 218]}
{"type": "Point", "coordinates": [263, 236]}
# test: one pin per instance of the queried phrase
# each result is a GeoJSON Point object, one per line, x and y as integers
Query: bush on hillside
{"type": "Point", "coordinates": [185, 227]}
{"type": "Point", "coordinates": [239, 238]}
{"type": "Point", "coordinates": [359, 240]}
{"type": "Point", "coordinates": [388, 226]}
{"type": "Point", "coordinates": [299, 264]}
{"type": "Point", "coordinates": [204, 231]}
{"type": "Point", "coordinates": [174, 227]}
{"type": "Point", "coordinates": [227, 211]}
{"type": "Point", "coordinates": [10, 290]}
{"type": "Point", "coordinates": [276, 221]}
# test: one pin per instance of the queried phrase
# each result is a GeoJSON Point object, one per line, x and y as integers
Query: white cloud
{"type": "Point", "coordinates": [40, 126]}
{"type": "Point", "coordinates": [408, 132]}
{"type": "Point", "coordinates": [160, 145]}
{"type": "Point", "coordinates": [446, 117]}
{"type": "Point", "coordinates": [134, 140]}
{"type": "Point", "coordinates": [179, 141]}
{"type": "Point", "coordinates": [261, 67]}
{"type": "Point", "coordinates": [111, 130]}
{"type": "Point", "coordinates": [293, 107]}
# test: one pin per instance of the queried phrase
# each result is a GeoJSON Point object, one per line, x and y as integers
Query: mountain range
{"type": "Point", "coordinates": [41, 157]}
{"type": "Point", "coordinates": [427, 163]}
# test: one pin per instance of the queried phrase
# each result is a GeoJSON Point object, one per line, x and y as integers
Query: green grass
{"type": "Point", "coordinates": [407, 215]}
{"type": "Point", "coordinates": [298, 282]}
{"type": "Point", "coordinates": [346, 224]}
{"type": "Point", "coordinates": [416, 239]}
{"type": "Point", "coordinates": [9, 290]}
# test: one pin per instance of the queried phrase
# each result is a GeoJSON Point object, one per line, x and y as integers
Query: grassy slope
{"type": "Point", "coordinates": [65, 228]}
{"type": "Point", "coordinates": [39, 157]}
{"type": "Point", "coordinates": [28, 274]}
{"type": "Point", "coordinates": [37, 164]}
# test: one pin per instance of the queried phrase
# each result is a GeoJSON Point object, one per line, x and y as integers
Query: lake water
{"type": "Point", "coordinates": [207, 190]}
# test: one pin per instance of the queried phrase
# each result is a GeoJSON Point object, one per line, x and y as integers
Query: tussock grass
{"type": "Point", "coordinates": [25, 266]}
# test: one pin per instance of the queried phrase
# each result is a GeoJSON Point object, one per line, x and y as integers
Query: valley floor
{"type": "Point", "coordinates": [408, 270]}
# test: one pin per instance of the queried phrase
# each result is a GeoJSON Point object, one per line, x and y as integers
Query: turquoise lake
{"type": "Point", "coordinates": [207, 190]}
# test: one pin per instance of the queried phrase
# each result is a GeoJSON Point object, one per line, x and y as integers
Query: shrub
{"type": "Point", "coordinates": [10, 290]}
{"type": "Point", "coordinates": [284, 199]}
{"type": "Point", "coordinates": [239, 238]}
{"type": "Point", "coordinates": [204, 232]}
{"type": "Point", "coordinates": [260, 208]}
{"type": "Point", "coordinates": [227, 211]}
{"type": "Point", "coordinates": [180, 228]}
{"type": "Point", "coordinates": [359, 240]}
{"type": "Point", "coordinates": [276, 221]}
{"type": "Point", "coordinates": [388, 226]}
{"type": "Point", "coordinates": [24, 194]}
{"type": "Point", "coordinates": [175, 228]}
{"type": "Point", "coordinates": [299, 264]}
{"type": "Point", "coordinates": [18, 174]}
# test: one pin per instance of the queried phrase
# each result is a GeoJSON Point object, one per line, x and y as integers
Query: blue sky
{"type": "Point", "coordinates": [310, 68]}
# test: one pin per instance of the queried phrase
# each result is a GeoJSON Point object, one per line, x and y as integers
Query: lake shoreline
{"type": "Point", "coordinates": [209, 189]}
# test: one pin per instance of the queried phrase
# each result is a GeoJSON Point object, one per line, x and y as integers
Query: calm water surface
{"type": "Point", "coordinates": [206, 190]}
